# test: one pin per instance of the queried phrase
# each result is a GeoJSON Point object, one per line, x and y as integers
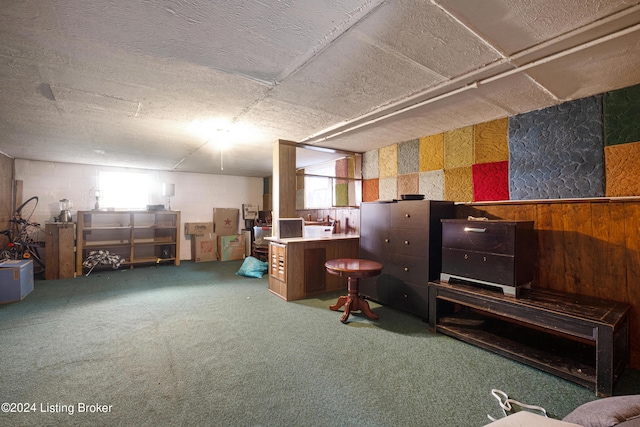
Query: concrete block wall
{"type": "Point", "coordinates": [195, 194]}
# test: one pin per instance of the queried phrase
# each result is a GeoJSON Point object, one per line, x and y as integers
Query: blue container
{"type": "Point", "coordinates": [16, 280]}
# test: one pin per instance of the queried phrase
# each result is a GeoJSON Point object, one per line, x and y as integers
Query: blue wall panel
{"type": "Point", "coordinates": [557, 152]}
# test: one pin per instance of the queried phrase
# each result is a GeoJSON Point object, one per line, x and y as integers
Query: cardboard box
{"type": "Point", "coordinates": [16, 280]}
{"type": "Point", "coordinates": [225, 221]}
{"type": "Point", "coordinates": [203, 246]}
{"type": "Point", "coordinates": [231, 247]}
{"type": "Point", "coordinates": [249, 211]}
{"type": "Point", "coordinates": [198, 227]}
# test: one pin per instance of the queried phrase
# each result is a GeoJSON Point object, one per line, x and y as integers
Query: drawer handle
{"type": "Point", "coordinates": [406, 242]}
{"type": "Point", "coordinates": [475, 230]}
{"type": "Point", "coordinates": [386, 240]}
{"type": "Point", "coordinates": [484, 258]}
{"type": "Point", "coordinates": [406, 269]}
{"type": "Point", "coordinates": [466, 256]}
{"type": "Point", "coordinates": [407, 215]}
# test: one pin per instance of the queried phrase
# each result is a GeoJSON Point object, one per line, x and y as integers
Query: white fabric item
{"type": "Point", "coordinates": [529, 419]}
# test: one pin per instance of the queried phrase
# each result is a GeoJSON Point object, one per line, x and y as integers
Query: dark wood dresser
{"type": "Point", "coordinates": [492, 252]}
{"type": "Point", "coordinates": [406, 238]}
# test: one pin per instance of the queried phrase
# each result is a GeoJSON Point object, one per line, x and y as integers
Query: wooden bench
{"type": "Point", "coordinates": [578, 338]}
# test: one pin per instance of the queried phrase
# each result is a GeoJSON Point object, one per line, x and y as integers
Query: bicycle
{"type": "Point", "coordinates": [23, 235]}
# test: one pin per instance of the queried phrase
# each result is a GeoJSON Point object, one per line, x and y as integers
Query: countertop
{"type": "Point", "coordinates": [313, 239]}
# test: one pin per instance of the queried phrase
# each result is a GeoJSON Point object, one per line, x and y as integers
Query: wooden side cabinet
{"type": "Point", "coordinates": [278, 263]}
{"type": "Point", "coordinates": [138, 237]}
{"type": "Point", "coordinates": [60, 239]}
{"type": "Point", "coordinates": [278, 269]}
{"type": "Point", "coordinates": [296, 268]}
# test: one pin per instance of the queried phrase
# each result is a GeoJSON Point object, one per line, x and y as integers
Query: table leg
{"type": "Point", "coordinates": [341, 301]}
{"type": "Point", "coordinates": [347, 309]}
{"type": "Point", "coordinates": [352, 302]}
{"type": "Point", "coordinates": [359, 303]}
{"type": "Point", "coordinates": [363, 305]}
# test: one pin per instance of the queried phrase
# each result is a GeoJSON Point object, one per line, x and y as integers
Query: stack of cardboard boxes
{"type": "Point", "coordinates": [231, 245]}
{"type": "Point", "coordinates": [203, 247]}
{"type": "Point", "coordinates": [218, 239]}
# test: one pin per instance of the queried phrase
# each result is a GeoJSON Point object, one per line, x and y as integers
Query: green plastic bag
{"type": "Point", "coordinates": [253, 267]}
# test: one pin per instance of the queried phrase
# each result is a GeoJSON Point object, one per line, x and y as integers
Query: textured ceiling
{"type": "Point", "coordinates": [209, 86]}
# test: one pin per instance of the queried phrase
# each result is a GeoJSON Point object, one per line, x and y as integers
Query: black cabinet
{"type": "Point", "coordinates": [374, 245]}
{"type": "Point", "coordinates": [496, 252]}
{"type": "Point", "coordinates": [406, 238]}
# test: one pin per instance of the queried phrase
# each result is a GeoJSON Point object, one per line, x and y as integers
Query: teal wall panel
{"type": "Point", "coordinates": [622, 116]}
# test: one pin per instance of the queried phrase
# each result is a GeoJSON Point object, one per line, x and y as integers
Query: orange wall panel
{"type": "Point", "coordinates": [622, 168]}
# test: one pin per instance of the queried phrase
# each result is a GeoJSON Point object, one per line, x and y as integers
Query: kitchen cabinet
{"type": "Point", "coordinates": [278, 261]}
{"type": "Point", "coordinates": [406, 238]}
{"type": "Point", "coordinates": [138, 237]}
{"type": "Point", "coordinates": [296, 266]}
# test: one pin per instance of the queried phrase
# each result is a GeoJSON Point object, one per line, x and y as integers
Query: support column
{"type": "Point", "coordinates": [284, 181]}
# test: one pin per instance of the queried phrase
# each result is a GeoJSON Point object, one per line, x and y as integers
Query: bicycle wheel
{"type": "Point", "coordinates": [25, 210]}
{"type": "Point", "coordinates": [29, 233]}
{"type": "Point", "coordinates": [32, 253]}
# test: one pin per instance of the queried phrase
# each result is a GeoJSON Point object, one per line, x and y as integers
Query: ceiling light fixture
{"type": "Point", "coordinates": [222, 140]}
{"type": "Point", "coordinates": [221, 158]}
{"type": "Point", "coordinates": [207, 129]}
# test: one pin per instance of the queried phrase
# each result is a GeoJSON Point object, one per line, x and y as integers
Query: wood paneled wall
{"type": "Point", "coordinates": [6, 194]}
{"type": "Point", "coordinates": [284, 180]}
{"type": "Point", "coordinates": [584, 246]}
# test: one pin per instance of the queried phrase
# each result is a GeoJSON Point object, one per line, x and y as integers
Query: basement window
{"type": "Point", "coordinates": [123, 190]}
{"type": "Point", "coordinates": [318, 192]}
{"type": "Point", "coordinates": [329, 185]}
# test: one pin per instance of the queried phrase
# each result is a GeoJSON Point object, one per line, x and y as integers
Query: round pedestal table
{"type": "Point", "coordinates": [353, 269]}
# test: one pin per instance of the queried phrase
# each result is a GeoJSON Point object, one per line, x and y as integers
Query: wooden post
{"type": "Point", "coordinates": [284, 181]}
{"type": "Point", "coordinates": [59, 251]}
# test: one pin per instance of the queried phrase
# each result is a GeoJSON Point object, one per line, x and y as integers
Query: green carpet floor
{"type": "Point", "coordinates": [199, 345]}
